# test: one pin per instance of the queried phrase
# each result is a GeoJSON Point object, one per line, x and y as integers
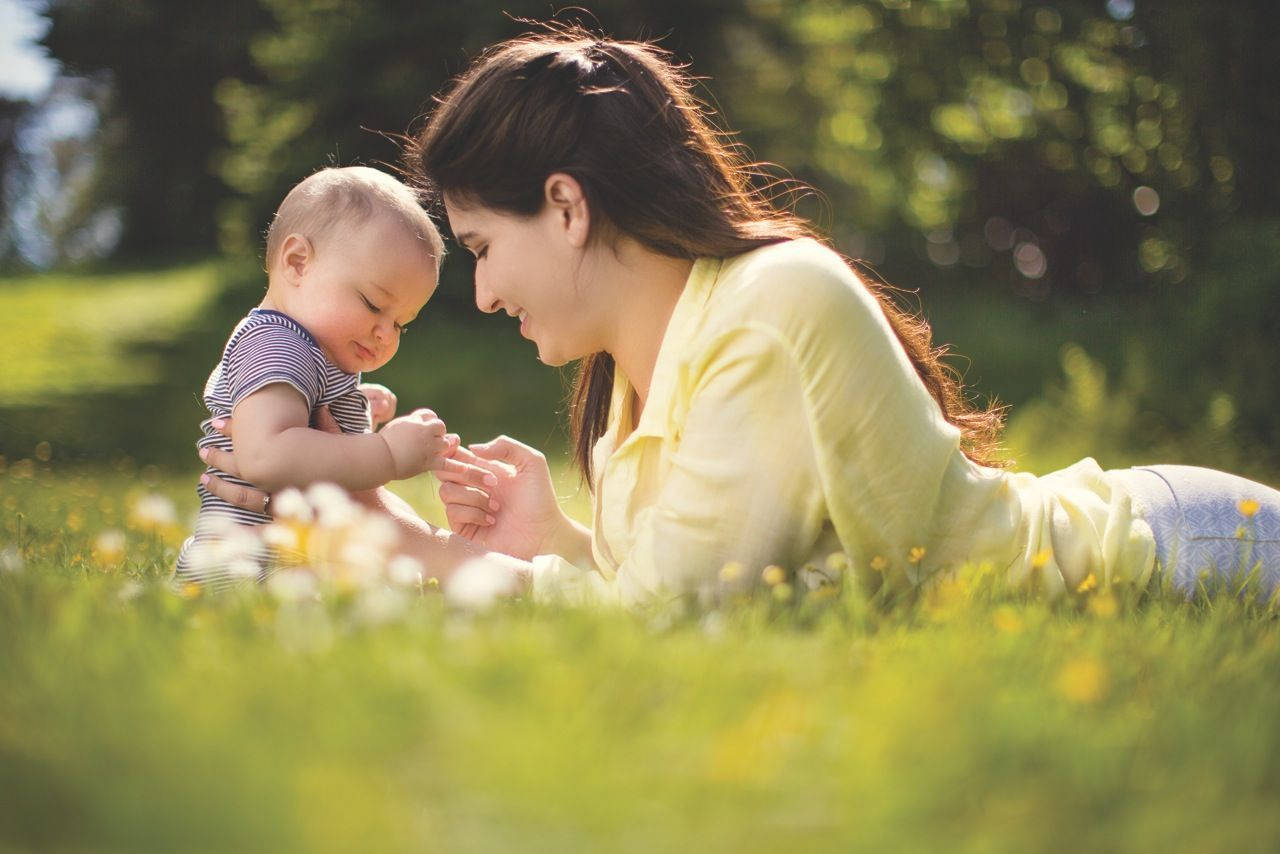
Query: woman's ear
{"type": "Point", "coordinates": [296, 254]}
{"type": "Point", "coordinates": [563, 194]}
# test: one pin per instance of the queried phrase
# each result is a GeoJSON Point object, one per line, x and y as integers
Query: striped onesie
{"type": "Point", "coordinates": [265, 347]}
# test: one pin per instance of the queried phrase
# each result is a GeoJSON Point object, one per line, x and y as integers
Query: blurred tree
{"type": "Point", "coordinates": [12, 112]}
{"type": "Point", "coordinates": [332, 76]}
{"type": "Point", "coordinates": [160, 128]}
{"type": "Point", "coordinates": [1049, 144]}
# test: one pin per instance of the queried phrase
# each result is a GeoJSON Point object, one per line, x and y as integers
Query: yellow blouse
{"type": "Point", "coordinates": [785, 422]}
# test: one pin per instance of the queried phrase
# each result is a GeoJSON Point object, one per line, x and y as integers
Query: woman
{"type": "Point", "coordinates": [744, 397]}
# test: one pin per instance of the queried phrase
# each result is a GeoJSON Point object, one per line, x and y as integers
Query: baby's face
{"type": "Point", "coordinates": [362, 286]}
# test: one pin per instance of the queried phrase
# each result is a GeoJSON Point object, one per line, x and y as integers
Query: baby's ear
{"type": "Point", "coordinates": [296, 255]}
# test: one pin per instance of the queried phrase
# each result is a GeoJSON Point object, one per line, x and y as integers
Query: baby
{"type": "Point", "coordinates": [351, 260]}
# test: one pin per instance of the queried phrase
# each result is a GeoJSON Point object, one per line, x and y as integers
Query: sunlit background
{"type": "Point", "coordinates": [1080, 192]}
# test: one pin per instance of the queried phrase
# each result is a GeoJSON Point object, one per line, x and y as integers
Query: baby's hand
{"type": "Point", "coordinates": [418, 443]}
{"type": "Point", "coordinates": [382, 402]}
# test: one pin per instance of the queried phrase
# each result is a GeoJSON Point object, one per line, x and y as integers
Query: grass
{"type": "Point", "coordinates": [133, 718]}
{"type": "Point", "coordinates": [136, 718]}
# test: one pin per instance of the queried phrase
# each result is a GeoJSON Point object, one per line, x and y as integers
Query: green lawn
{"type": "Point", "coordinates": [134, 718]}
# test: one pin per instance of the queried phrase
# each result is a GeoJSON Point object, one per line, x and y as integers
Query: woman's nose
{"type": "Point", "coordinates": [486, 300]}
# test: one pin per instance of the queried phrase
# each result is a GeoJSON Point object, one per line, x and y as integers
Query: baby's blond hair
{"type": "Point", "coordinates": [349, 196]}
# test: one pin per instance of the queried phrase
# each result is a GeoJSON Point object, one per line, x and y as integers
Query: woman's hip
{"type": "Point", "coordinates": [1210, 527]}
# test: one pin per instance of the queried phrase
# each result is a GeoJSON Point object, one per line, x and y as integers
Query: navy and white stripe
{"type": "Point", "coordinates": [266, 347]}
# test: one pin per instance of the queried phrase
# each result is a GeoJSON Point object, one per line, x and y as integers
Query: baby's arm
{"type": "Point", "coordinates": [277, 449]}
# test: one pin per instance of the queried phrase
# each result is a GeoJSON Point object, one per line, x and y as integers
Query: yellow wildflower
{"type": "Point", "coordinates": [782, 591]}
{"type": "Point", "coordinates": [1007, 621]}
{"type": "Point", "coordinates": [1090, 583]}
{"type": "Point", "coordinates": [1041, 558]}
{"type": "Point", "coordinates": [837, 562]}
{"type": "Point", "coordinates": [878, 563]}
{"type": "Point", "coordinates": [1104, 606]}
{"type": "Point", "coordinates": [916, 554]}
{"type": "Point", "coordinates": [190, 590]}
{"type": "Point", "coordinates": [1248, 507]}
{"type": "Point", "coordinates": [1082, 681]}
{"type": "Point", "coordinates": [773, 575]}
{"type": "Point", "coordinates": [433, 583]}
{"type": "Point", "coordinates": [731, 572]}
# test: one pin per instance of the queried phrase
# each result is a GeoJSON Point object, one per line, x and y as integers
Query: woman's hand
{"type": "Point", "coordinates": [519, 514]}
{"type": "Point", "coordinates": [248, 497]}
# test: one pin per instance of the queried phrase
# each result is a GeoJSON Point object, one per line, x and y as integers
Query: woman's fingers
{"type": "Point", "coordinates": [453, 470]}
{"type": "Point", "coordinates": [460, 516]}
{"type": "Point", "coordinates": [241, 496]}
{"type": "Point", "coordinates": [508, 450]}
{"type": "Point", "coordinates": [452, 493]}
{"type": "Point", "coordinates": [221, 460]}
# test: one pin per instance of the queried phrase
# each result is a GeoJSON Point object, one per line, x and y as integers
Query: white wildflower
{"type": "Point", "coordinates": [404, 571]}
{"type": "Point", "coordinates": [11, 560]}
{"type": "Point", "coordinates": [333, 507]}
{"type": "Point", "coordinates": [109, 545]}
{"type": "Point", "coordinates": [477, 584]}
{"type": "Point", "coordinates": [379, 604]}
{"type": "Point", "coordinates": [281, 537]}
{"type": "Point", "coordinates": [153, 511]}
{"type": "Point", "coordinates": [293, 585]}
{"type": "Point", "coordinates": [291, 504]}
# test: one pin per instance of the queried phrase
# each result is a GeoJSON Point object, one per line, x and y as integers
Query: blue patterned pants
{"type": "Point", "coordinates": [1210, 527]}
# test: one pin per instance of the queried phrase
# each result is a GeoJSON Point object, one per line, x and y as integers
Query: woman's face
{"type": "Point", "coordinates": [531, 267]}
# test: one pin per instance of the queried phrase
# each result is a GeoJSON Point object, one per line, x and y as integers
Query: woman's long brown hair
{"type": "Point", "coordinates": [621, 118]}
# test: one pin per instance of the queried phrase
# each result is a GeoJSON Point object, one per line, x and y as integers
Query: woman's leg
{"type": "Point", "coordinates": [1210, 527]}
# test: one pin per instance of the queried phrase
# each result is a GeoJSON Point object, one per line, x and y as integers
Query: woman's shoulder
{"type": "Point", "coordinates": [796, 282]}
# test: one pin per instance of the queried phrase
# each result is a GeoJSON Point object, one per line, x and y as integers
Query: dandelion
{"type": "Point", "coordinates": [291, 504]}
{"type": "Point", "coordinates": [1103, 606]}
{"type": "Point", "coordinates": [282, 538]}
{"type": "Point", "coordinates": [108, 547]}
{"type": "Point", "coordinates": [293, 585]}
{"type": "Point", "coordinates": [916, 554]}
{"type": "Point", "coordinates": [153, 512]}
{"type": "Point", "coordinates": [1007, 620]}
{"type": "Point", "coordinates": [379, 605]}
{"type": "Point", "coordinates": [1090, 583]}
{"type": "Point", "coordinates": [837, 562]}
{"type": "Point", "coordinates": [405, 571]}
{"type": "Point", "coordinates": [478, 584]}
{"type": "Point", "coordinates": [1083, 681]}
{"type": "Point", "coordinates": [11, 560]}
{"type": "Point", "coordinates": [731, 572]}
{"type": "Point", "coordinates": [433, 583]}
{"type": "Point", "coordinates": [333, 507]}
{"type": "Point", "coordinates": [1248, 507]}
{"type": "Point", "coordinates": [773, 575]}
{"type": "Point", "coordinates": [879, 564]}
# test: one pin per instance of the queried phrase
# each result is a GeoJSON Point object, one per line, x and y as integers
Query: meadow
{"type": "Point", "coordinates": [136, 715]}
